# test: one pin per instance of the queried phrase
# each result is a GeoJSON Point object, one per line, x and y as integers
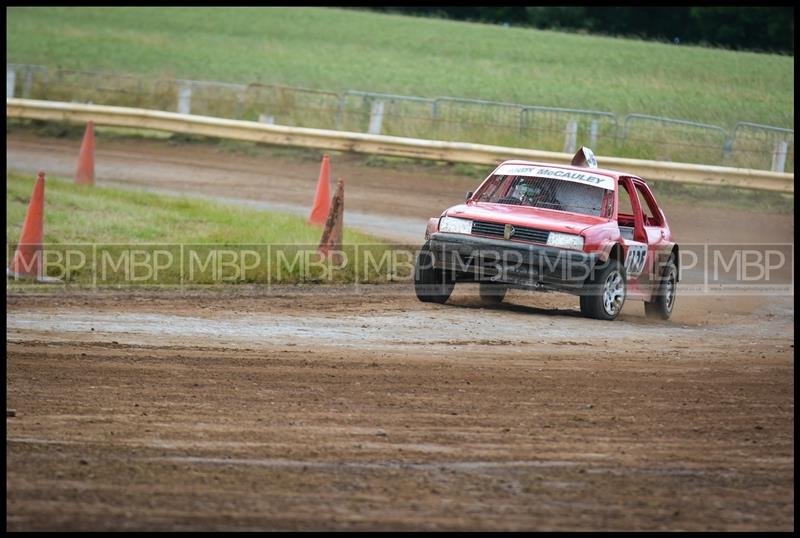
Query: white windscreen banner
{"type": "Point", "coordinates": [604, 182]}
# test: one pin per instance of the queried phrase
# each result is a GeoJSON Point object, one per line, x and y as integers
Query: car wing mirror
{"type": "Point", "coordinates": [468, 196]}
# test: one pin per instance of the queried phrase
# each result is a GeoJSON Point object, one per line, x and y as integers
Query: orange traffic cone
{"type": "Point", "coordinates": [322, 203]}
{"type": "Point", "coordinates": [85, 174]}
{"type": "Point", "coordinates": [27, 261]}
{"type": "Point", "coordinates": [332, 235]}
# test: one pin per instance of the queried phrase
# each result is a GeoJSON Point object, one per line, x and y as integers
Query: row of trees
{"type": "Point", "coordinates": [761, 29]}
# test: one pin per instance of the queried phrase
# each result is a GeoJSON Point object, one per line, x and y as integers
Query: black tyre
{"type": "Point", "coordinates": [664, 301]}
{"type": "Point", "coordinates": [431, 284]}
{"type": "Point", "coordinates": [605, 291]}
{"type": "Point", "coordinates": [492, 293]}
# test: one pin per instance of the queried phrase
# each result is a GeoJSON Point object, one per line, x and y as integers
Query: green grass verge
{"type": "Point", "coordinates": [338, 49]}
{"type": "Point", "coordinates": [106, 236]}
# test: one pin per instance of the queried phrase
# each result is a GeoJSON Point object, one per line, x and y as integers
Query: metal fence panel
{"type": "Point", "coordinates": [11, 82]}
{"type": "Point", "coordinates": [92, 87]}
{"type": "Point", "coordinates": [754, 145]}
{"type": "Point", "coordinates": [27, 80]}
{"type": "Point", "coordinates": [207, 98]}
{"type": "Point", "coordinates": [384, 113]}
{"type": "Point", "coordinates": [100, 88]}
{"type": "Point", "coordinates": [286, 105]}
{"type": "Point", "coordinates": [74, 86]}
{"type": "Point", "coordinates": [474, 120]}
{"type": "Point", "coordinates": [666, 139]}
{"type": "Point", "coordinates": [559, 129]}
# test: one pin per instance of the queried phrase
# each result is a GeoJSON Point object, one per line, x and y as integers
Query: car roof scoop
{"type": "Point", "coordinates": [584, 158]}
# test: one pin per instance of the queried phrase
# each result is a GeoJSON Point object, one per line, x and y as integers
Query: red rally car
{"type": "Point", "coordinates": [596, 233]}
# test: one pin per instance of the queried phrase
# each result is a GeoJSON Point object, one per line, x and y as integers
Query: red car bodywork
{"type": "Point", "coordinates": [630, 237]}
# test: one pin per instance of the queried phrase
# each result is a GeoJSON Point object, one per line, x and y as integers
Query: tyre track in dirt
{"type": "Point", "coordinates": [386, 413]}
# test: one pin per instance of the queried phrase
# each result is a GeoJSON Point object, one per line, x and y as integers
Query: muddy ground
{"type": "Point", "coordinates": [336, 408]}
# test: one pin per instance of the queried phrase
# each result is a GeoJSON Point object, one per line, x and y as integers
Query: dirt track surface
{"type": "Point", "coordinates": [201, 410]}
{"type": "Point", "coordinates": [336, 408]}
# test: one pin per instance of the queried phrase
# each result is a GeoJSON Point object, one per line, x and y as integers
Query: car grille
{"type": "Point", "coordinates": [523, 233]}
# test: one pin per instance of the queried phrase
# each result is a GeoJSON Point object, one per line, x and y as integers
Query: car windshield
{"type": "Point", "coordinates": [547, 193]}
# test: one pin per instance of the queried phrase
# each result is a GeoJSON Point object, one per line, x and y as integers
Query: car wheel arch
{"type": "Point", "coordinates": [610, 251]}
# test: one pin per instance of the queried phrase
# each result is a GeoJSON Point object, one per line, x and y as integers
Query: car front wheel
{"type": "Point", "coordinates": [604, 293]}
{"type": "Point", "coordinates": [431, 284]}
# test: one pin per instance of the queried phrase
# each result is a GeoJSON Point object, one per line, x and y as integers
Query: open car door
{"type": "Point", "coordinates": [639, 250]}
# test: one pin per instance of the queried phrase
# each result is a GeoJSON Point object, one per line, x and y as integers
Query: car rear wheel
{"type": "Point", "coordinates": [432, 285]}
{"type": "Point", "coordinates": [492, 293]}
{"type": "Point", "coordinates": [664, 301]}
{"type": "Point", "coordinates": [604, 293]}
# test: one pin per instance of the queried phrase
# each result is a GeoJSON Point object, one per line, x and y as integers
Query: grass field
{"type": "Point", "coordinates": [336, 49]}
{"type": "Point", "coordinates": [114, 221]}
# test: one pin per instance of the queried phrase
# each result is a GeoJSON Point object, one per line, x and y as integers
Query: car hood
{"type": "Point", "coordinates": [542, 219]}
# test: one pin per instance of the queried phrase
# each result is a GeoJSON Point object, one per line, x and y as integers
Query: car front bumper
{"type": "Point", "coordinates": [523, 265]}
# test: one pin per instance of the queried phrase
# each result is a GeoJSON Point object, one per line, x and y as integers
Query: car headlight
{"type": "Point", "coordinates": [454, 225]}
{"type": "Point", "coordinates": [557, 239]}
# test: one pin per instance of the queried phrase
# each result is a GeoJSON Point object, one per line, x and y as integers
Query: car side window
{"type": "Point", "coordinates": [626, 215]}
{"type": "Point", "coordinates": [650, 212]}
{"type": "Point", "coordinates": [624, 207]}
